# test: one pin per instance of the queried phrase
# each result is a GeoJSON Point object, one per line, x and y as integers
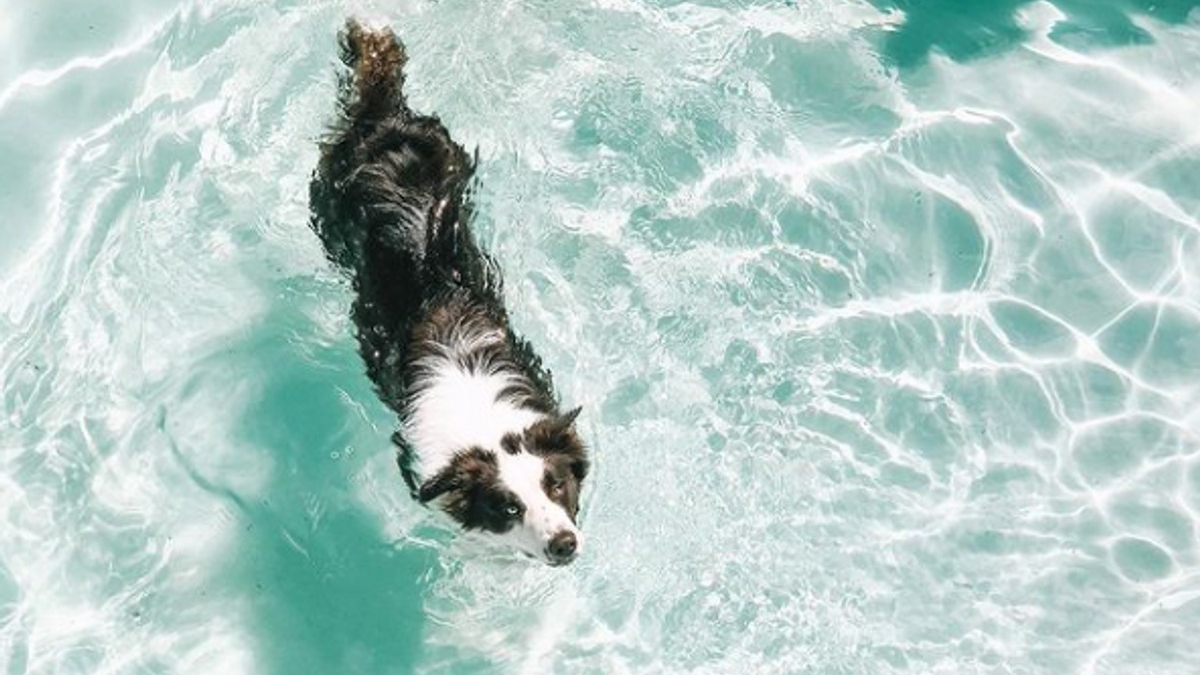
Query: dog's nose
{"type": "Point", "coordinates": [562, 547]}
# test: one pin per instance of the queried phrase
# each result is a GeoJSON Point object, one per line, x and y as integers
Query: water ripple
{"type": "Point", "coordinates": [887, 341]}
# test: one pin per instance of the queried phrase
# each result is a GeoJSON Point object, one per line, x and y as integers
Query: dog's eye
{"type": "Point", "coordinates": [512, 510]}
{"type": "Point", "coordinates": [554, 483]}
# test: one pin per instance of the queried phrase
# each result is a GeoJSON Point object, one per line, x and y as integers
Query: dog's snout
{"type": "Point", "coordinates": [562, 547]}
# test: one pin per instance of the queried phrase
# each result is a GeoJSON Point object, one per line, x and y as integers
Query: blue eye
{"type": "Point", "coordinates": [512, 510]}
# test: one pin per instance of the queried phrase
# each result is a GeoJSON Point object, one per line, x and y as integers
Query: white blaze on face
{"type": "Point", "coordinates": [522, 473]}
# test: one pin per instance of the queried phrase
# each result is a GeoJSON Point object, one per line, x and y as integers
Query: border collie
{"type": "Point", "coordinates": [481, 434]}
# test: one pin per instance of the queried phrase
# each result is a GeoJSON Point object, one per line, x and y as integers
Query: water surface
{"type": "Point", "coordinates": [885, 318]}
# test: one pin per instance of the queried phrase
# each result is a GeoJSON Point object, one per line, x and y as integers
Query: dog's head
{"type": "Point", "coordinates": [525, 492]}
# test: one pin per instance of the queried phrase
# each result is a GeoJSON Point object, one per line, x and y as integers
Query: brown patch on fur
{"type": "Point", "coordinates": [565, 457]}
{"type": "Point", "coordinates": [379, 60]}
{"type": "Point", "coordinates": [471, 493]}
{"type": "Point", "coordinates": [556, 436]}
{"type": "Point", "coordinates": [561, 484]}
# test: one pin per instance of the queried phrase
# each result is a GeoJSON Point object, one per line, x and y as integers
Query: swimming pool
{"type": "Point", "coordinates": [885, 318]}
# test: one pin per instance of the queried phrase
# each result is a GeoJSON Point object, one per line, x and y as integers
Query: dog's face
{"type": "Point", "coordinates": [525, 492]}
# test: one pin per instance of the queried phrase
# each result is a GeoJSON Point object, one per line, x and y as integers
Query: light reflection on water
{"type": "Point", "coordinates": [884, 317]}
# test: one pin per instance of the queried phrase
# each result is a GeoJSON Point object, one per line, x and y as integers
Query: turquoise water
{"type": "Point", "coordinates": [885, 318]}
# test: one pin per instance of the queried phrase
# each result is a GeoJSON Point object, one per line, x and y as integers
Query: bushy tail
{"type": "Point", "coordinates": [374, 86]}
{"type": "Point", "coordinates": [370, 97]}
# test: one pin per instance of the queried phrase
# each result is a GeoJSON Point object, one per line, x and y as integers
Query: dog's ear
{"type": "Point", "coordinates": [442, 482]}
{"type": "Point", "coordinates": [554, 435]}
{"type": "Point", "coordinates": [568, 419]}
{"type": "Point", "coordinates": [561, 431]}
{"type": "Point", "coordinates": [461, 482]}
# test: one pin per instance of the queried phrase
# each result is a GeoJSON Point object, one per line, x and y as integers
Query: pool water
{"type": "Point", "coordinates": [884, 315]}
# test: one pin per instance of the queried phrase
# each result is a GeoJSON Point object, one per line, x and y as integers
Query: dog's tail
{"type": "Point", "coordinates": [370, 97]}
{"type": "Point", "coordinates": [391, 195]}
{"type": "Point", "coordinates": [374, 86]}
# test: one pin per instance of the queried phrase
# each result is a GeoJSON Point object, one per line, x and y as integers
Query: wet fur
{"type": "Point", "coordinates": [391, 203]}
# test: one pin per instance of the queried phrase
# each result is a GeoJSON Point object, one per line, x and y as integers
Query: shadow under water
{"type": "Point", "coordinates": [330, 593]}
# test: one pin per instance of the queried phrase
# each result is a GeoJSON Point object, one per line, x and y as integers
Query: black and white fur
{"type": "Point", "coordinates": [481, 433]}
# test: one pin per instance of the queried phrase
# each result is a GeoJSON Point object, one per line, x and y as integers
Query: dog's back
{"type": "Point", "coordinates": [390, 203]}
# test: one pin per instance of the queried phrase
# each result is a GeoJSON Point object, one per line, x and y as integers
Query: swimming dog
{"type": "Point", "coordinates": [481, 435]}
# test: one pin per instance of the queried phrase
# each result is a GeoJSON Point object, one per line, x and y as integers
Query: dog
{"type": "Point", "coordinates": [481, 434]}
